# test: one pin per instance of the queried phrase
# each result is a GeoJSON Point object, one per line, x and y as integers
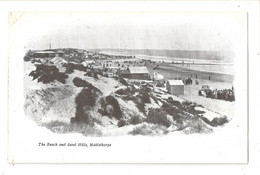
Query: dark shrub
{"type": "Point", "coordinates": [174, 112]}
{"type": "Point", "coordinates": [120, 92]}
{"type": "Point", "coordinates": [101, 111]}
{"type": "Point", "coordinates": [47, 74]}
{"type": "Point", "coordinates": [81, 83]}
{"type": "Point", "coordinates": [170, 99]}
{"type": "Point", "coordinates": [95, 75]}
{"type": "Point", "coordinates": [158, 116]}
{"type": "Point", "coordinates": [110, 100]}
{"type": "Point", "coordinates": [129, 91]}
{"type": "Point", "coordinates": [121, 123]}
{"type": "Point", "coordinates": [123, 81]}
{"type": "Point", "coordinates": [216, 121]}
{"type": "Point", "coordinates": [186, 103]}
{"type": "Point", "coordinates": [193, 111]}
{"type": "Point", "coordinates": [109, 110]}
{"type": "Point", "coordinates": [70, 67]}
{"type": "Point", "coordinates": [84, 100]}
{"type": "Point", "coordinates": [26, 58]}
{"type": "Point", "coordinates": [145, 88]}
{"type": "Point", "coordinates": [154, 98]}
{"type": "Point", "coordinates": [88, 73]}
{"type": "Point", "coordinates": [82, 118]}
{"type": "Point", "coordinates": [35, 74]}
{"type": "Point", "coordinates": [136, 119]}
{"type": "Point", "coordinates": [139, 103]}
{"type": "Point", "coordinates": [61, 77]}
{"type": "Point", "coordinates": [174, 102]}
{"type": "Point", "coordinates": [92, 73]}
{"type": "Point", "coordinates": [145, 97]}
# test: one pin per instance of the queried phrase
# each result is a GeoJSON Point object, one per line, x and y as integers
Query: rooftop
{"type": "Point", "coordinates": [48, 51]}
{"type": "Point", "coordinates": [138, 70]}
{"type": "Point", "coordinates": [175, 82]}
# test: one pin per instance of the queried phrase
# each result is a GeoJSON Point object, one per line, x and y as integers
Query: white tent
{"type": "Point", "coordinates": [158, 76]}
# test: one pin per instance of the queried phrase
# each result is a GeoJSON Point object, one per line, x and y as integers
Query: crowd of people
{"type": "Point", "coordinates": [223, 94]}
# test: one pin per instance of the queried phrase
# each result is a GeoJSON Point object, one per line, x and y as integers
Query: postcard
{"type": "Point", "coordinates": [128, 87]}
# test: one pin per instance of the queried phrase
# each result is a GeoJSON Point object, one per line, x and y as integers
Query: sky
{"type": "Point", "coordinates": [171, 31]}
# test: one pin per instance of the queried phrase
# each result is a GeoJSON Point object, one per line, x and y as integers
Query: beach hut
{"type": "Point", "coordinates": [136, 73]}
{"type": "Point", "coordinates": [175, 87]}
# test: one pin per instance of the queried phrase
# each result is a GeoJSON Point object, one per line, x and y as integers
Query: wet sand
{"type": "Point", "coordinates": [171, 71]}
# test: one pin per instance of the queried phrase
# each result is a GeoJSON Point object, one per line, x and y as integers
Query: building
{"type": "Point", "coordinates": [121, 64]}
{"type": "Point", "coordinates": [175, 87]}
{"type": "Point", "coordinates": [136, 73]}
{"type": "Point", "coordinates": [59, 53]}
{"type": "Point", "coordinates": [46, 54]}
{"type": "Point", "coordinates": [87, 62]}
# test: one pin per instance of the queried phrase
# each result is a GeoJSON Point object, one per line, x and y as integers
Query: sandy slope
{"type": "Point", "coordinates": [56, 101]}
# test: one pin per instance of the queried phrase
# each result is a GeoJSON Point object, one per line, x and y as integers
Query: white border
{"type": "Point", "coordinates": [251, 7]}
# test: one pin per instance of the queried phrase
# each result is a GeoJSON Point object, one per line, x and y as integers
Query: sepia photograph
{"type": "Point", "coordinates": [129, 87]}
{"type": "Point", "coordinates": [131, 74]}
{"type": "Point", "coordinates": [144, 81]}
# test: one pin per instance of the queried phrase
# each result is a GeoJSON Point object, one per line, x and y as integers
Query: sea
{"type": "Point", "coordinates": [208, 61]}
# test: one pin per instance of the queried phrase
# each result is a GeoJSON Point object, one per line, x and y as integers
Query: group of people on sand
{"type": "Point", "coordinates": [189, 81]}
{"type": "Point", "coordinates": [223, 94]}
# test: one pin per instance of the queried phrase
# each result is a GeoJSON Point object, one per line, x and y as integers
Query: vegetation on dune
{"type": "Point", "coordinates": [35, 61]}
{"type": "Point", "coordinates": [126, 92]}
{"type": "Point", "coordinates": [190, 108]}
{"type": "Point", "coordinates": [81, 83]}
{"type": "Point", "coordinates": [47, 74]}
{"type": "Point", "coordinates": [63, 128]}
{"type": "Point", "coordinates": [150, 118]}
{"type": "Point", "coordinates": [85, 100]}
{"type": "Point", "coordinates": [74, 55]}
{"type": "Point", "coordinates": [158, 116]}
{"type": "Point", "coordinates": [174, 112]}
{"type": "Point", "coordinates": [147, 129]}
{"type": "Point", "coordinates": [138, 96]}
{"type": "Point", "coordinates": [122, 122]}
{"type": "Point", "coordinates": [92, 73]}
{"type": "Point", "coordinates": [194, 125]}
{"type": "Point", "coordinates": [70, 67]}
{"type": "Point", "coordinates": [136, 119]}
{"type": "Point", "coordinates": [26, 58]}
{"type": "Point", "coordinates": [110, 100]}
{"type": "Point", "coordinates": [110, 107]}
{"type": "Point", "coordinates": [216, 121]}
{"type": "Point", "coordinates": [174, 102]}
{"type": "Point", "coordinates": [122, 81]}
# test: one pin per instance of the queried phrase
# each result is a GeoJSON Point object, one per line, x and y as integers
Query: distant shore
{"type": "Point", "coordinates": [171, 71]}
